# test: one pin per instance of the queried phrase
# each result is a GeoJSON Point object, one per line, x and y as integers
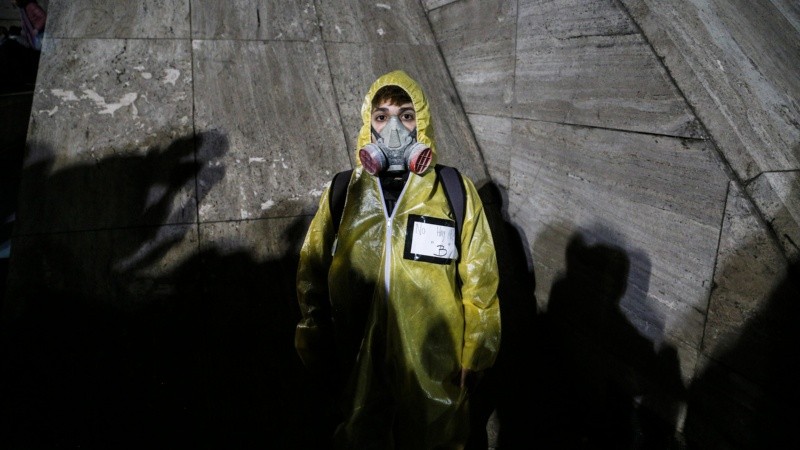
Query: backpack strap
{"type": "Point", "coordinates": [451, 181]}
{"type": "Point", "coordinates": [455, 193]}
{"type": "Point", "coordinates": [337, 196]}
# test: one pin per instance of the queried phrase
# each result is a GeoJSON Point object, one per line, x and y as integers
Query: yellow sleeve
{"type": "Point", "coordinates": [314, 332]}
{"type": "Point", "coordinates": [479, 277]}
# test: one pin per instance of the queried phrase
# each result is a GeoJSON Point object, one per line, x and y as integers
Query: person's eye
{"type": "Point", "coordinates": [408, 116]}
{"type": "Point", "coordinates": [380, 117]}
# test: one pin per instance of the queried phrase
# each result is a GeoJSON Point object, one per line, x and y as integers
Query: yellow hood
{"type": "Point", "coordinates": [405, 82]}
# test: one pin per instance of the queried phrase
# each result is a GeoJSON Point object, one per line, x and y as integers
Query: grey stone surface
{"type": "Point", "coordinates": [578, 18]}
{"type": "Point", "coordinates": [736, 62]}
{"type": "Point", "coordinates": [791, 10]}
{"type": "Point", "coordinates": [455, 143]}
{"type": "Point", "coordinates": [261, 239]}
{"type": "Point", "coordinates": [658, 199]}
{"type": "Point", "coordinates": [591, 67]}
{"type": "Point", "coordinates": [273, 90]}
{"type": "Point", "coordinates": [99, 18]}
{"type": "Point", "coordinates": [255, 19]}
{"type": "Point", "coordinates": [120, 270]}
{"type": "Point", "coordinates": [362, 21]}
{"type": "Point", "coordinates": [433, 4]}
{"type": "Point", "coordinates": [749, 365]}
{"type": "Point", "coordinates": [274, 103]}
{"type": "Point", "coordinates": [777, 196]}
{"type": "Point", "coordinates": [749, 268]}
{"type": "Point", "coordinates": [265, 251]}
{"type": "Point", "coordinates": [247, 313]}
{"type": "Point", "coordinates": [478, 41]}
{"type": "Point", "coordinates": [104, 147]}
{"type": "Point", "coordinates": [495, 139]}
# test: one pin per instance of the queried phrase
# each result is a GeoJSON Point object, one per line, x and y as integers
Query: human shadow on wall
{"type": "Point", "coordinates": [105, 346]}
{"type": "Point", "coordinates": [14, 115]}
{"type": "Point", "coordinates": [603, 384]}
{"type": "Point", "coordinates": [18, 67]}
{"type": "Point", "coordinates": [125, 188]}
{"type": "Point", "coordinates": [508, 388]}
{"type": "Point", "coordinates": [747, 394]}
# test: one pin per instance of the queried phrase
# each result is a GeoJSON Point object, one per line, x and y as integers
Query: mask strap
{"type": "Point", "coordinates": [375, 134]}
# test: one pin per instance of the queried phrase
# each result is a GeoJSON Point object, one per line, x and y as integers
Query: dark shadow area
{"type": "Point", "coordinates": [18, 63]}
{"type": "Point", "coordinates": [747, 395]}
{"type": "Point", "coordinates": [101, 348]}
{"type": "Point", "coordinates": [580, 375]}
{"type": "Point", "coordinates": [19, 66]}
{"type": "Point", "coordinates": [128, 189]}
{"type": "Point", "coordinates": [15, 111]}
{"type": "Point", "coordinates": [508, 388]}
{"type": "Point", "coordinates": [612, 387]}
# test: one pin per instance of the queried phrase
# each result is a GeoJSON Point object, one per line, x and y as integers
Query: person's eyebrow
{"type": "Point", "coordinates": [407, 108]}
{"type": "Point", "coordinates": [380, 109]}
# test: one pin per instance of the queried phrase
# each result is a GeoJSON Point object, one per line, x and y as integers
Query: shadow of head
{"type": "Point", "coordinates": [598, 271]}
{"type": "Point", "coordinates": [117, 188]}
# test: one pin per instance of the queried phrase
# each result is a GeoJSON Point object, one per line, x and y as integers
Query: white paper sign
{"type": "Point", "coordinates": [432, 240]}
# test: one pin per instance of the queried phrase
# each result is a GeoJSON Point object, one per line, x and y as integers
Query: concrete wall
{"type": "Point", "coordinates": [638, 158]}
{"type": "Point", "coordinates": [176, 152]}
{"type": "Point", "coordinates": [665, 134]}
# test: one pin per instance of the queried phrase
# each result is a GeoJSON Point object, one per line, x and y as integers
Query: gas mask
{"type": "Point", "coordinates": [395, 150]}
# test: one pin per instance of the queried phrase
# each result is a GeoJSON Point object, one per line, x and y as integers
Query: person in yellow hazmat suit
{"type": "Point", "coordinates": [398, 314]}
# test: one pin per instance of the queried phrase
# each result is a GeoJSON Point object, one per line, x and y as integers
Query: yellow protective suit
{"type": "Point", "coordinates": [397, 331]}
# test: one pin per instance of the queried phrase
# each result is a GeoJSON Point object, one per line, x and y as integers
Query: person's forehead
{"type": "Point", "coordinates": [388, 105]}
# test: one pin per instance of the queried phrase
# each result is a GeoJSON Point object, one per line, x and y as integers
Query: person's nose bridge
{"type": "Point", "coordinates": [394, 132]}
{"type": "Point", "coordinates": [394, 138]}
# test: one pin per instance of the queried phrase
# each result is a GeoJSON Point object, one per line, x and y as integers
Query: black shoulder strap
{"type": "Point", "coordinates": [337, 195]}
{"type": "Point", "coordinates": [454, 191]}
